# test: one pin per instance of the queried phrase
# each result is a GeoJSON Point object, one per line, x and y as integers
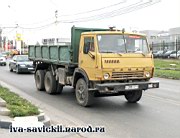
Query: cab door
{"type": "Point", "coordinates": [87, 56]}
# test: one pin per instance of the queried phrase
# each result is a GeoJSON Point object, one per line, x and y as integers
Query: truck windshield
{"type": "Point", "coordinates": [122, 44]}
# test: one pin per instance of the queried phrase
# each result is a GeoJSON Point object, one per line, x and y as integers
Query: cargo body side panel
{"type": "Point", "coordinates": [52, 54]}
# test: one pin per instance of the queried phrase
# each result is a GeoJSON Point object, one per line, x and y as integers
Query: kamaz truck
{"type": "Point", "coordinates": [98, 62]}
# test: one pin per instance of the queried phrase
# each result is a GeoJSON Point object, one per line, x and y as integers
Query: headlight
{"type": "Point", "coordinates": [106, 76]}
{"type": "Point", "coordinates": [147, 74]}
{"type": "Point", "coordinates": [22, 65]}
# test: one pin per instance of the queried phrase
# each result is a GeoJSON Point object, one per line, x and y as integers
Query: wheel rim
{"type": "Point", "coordinates": [81, 92]}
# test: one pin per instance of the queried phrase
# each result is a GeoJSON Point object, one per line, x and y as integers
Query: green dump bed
{"type": "Point", "coordinates": [54, 54]}
{"type": "Point", "coordinates": [60, 54]}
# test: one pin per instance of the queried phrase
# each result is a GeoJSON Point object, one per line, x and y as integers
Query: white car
{"type": "Point", "coordinates": [174, 55]}
{"type": "Point", "coordinates": [2, 61]}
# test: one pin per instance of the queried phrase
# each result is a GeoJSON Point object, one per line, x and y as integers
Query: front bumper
{"type": "Point", "coordinates": [121, 87]}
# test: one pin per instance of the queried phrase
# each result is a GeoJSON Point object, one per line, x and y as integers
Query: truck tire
{"type": "Point", "coordinates": [133, 96]}
{"type": "Point", "coordinates": [50, 83]}
{"type": "Point", "coordinates": [83, 96]}
{"type": "Point", "coordinates": [39, 80]}
{"type": "Point", "coordinates": [59, 88]}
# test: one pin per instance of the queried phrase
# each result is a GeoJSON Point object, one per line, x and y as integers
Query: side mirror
{"type": "Point", "coordinates": [91, 54]}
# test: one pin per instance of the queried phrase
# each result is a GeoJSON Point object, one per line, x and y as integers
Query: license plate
{"type": "Point", "coordinates": [131, 87]}
{"type": "Point", "coordinates": [30, 68]}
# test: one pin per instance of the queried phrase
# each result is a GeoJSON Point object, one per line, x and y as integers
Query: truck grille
{"type": "Point", "coordinates": [127, 75]}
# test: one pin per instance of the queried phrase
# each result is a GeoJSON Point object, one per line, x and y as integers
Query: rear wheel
{"type": "Point", "coordinates": [39, 79]}
{"type": "Point", "coordinates": [83, 96]}
{"type": "Point", "coordinates": [50, 83]}
{"type": "Point", "coordinates": [133, 96]}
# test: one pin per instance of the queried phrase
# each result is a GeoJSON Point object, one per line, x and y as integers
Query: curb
{"type": "Point", "coordinates": [44, 119]}
{"type": "Point", "coordinates": [4, 111]}
{"type": "Point", "coordinates": [5, 123]}
{"type": "Point", "coordinates": [65, 118]}
{"type": "Point", "coordinates": [2, 102]}
{"type": "Point", "coordinates": [175, 69]}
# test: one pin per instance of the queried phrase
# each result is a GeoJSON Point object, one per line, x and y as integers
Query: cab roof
{"type": "Point", "coordinates": [112, 32]}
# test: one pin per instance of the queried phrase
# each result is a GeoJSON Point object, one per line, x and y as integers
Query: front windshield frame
{"type": "Point", "coordinates": [122, 41]}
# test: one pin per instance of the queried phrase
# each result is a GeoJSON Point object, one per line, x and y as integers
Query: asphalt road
{"type": "Point", "coordinates": [157, 115]}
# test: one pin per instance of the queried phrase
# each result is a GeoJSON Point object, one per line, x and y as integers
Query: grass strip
{"type": "Point", "coordinates": [17, 105]}
{"type": "Point", "coordinates": [165, 63]}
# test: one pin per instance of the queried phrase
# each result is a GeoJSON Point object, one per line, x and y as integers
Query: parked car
{"type": "Point", "coordinates": [174, 55]}
{"type": "Point", "coordinates": [21, 63]}
{"type": "Point", "coordinates": [158, 54]}
{"type": "Point", "coordinates": [2, 60]}
{"type": "Point", "coordinates": [5, 54]}
{"type": "Point", "coordinates": [168, 53]}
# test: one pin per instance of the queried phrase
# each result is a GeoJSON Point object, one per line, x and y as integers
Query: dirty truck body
{"type": "Point", "coordinates": [98, 62]}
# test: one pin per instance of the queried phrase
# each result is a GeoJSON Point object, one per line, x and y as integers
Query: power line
{"type": "Point", "coordinates": [39, 27]}
{"type": "Point", "coordinates": [117, 12]}
{"type": "Point", "coordinates": [104, 14]}
{"type": "Point", "coordinates": [95, 10]}
{"type": "Point", "coordinates": [123, 10]}
{"type": "Point", "coordinates": [85, 12]}
{"type": "Point", "coordinates": [9, 31]}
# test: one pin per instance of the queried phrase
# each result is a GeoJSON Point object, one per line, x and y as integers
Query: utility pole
{"type": "Point", "coordinates": [56, 28]}
{"type": "Point", "coordinates": [56, 16]}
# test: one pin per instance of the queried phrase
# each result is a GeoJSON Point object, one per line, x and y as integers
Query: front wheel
{"type": "Point", "coordinates": [83, 96]}
{"type": "Point", "coordinates": [133, 96]}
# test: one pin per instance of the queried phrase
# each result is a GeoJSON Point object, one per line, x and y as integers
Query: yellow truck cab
{"type": "Point", "coordinates": [99, 62]}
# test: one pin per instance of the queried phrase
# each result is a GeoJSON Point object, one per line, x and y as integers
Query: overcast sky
{"type": "Point", "coordinates": [32, 15]}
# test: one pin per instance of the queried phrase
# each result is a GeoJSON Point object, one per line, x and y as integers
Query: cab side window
{"type": "Point", "coordinates": [88, 45]}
